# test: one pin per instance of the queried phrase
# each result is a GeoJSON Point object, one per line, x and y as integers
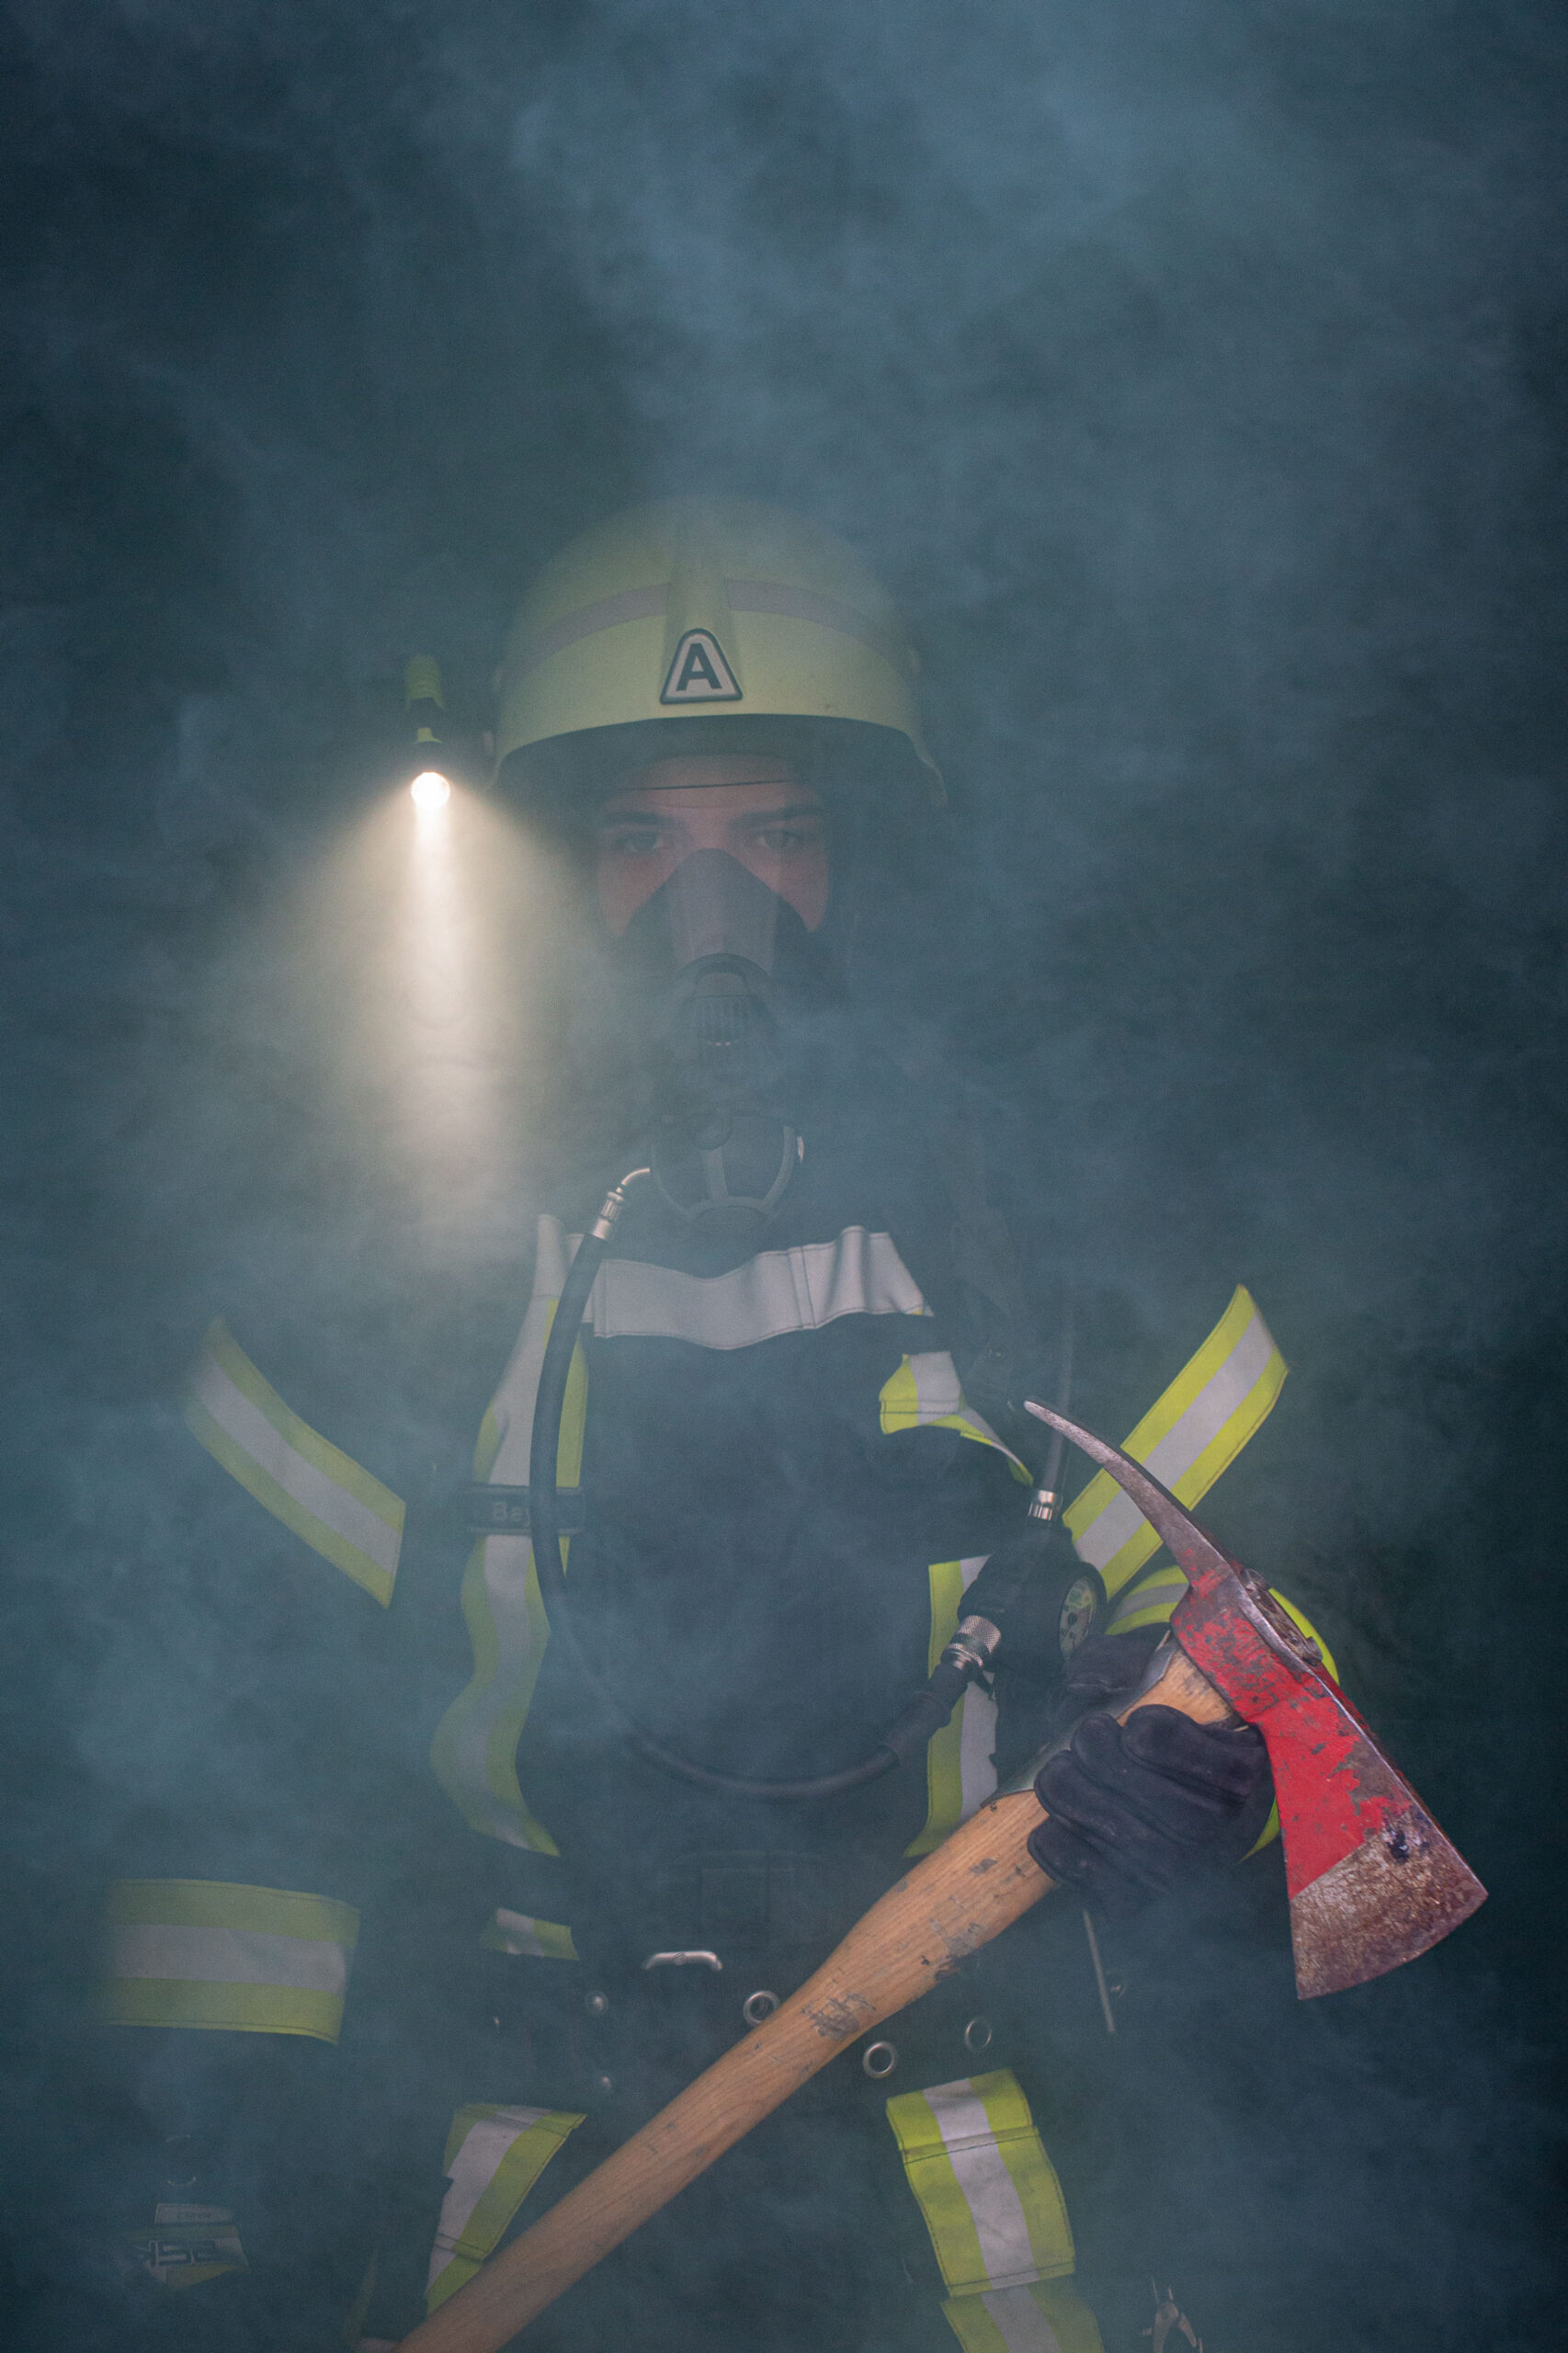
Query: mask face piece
{"type": "Point", "coordinates": [730, 957]}
{"type": "Point", "coordinates": [715, 906]}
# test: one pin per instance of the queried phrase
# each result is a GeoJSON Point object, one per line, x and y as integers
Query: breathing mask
{"type": "Point", "coordinates": [722, 964]}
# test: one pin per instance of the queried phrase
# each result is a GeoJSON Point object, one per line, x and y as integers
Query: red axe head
{"type": "Point", "coordinates": [1371, 1879]}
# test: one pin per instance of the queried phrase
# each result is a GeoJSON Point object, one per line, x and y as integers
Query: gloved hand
{"type": "Point", "coordinates": [1136, 1809]}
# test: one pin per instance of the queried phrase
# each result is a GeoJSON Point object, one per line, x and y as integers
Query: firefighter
{"type": "Point", "coordinates": [776, 1489]}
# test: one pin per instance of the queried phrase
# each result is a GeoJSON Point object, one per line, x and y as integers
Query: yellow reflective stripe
{"type": "Point", "coordinates": [985, 2187]}
{"type": "Point", "coordinates": [222, 1904]}
{"type": "Point", "coordinates": [309, 1484]}
{"type": "Point", "coordinates": [493, 2157]}
{"type": "Point", "coordinates": [1049, 2316]}
{"type": "Point", "coordinates": [475, 1750]}
{"type": "Point", "coordinates": [927, 1393]}
{"type": "Point", "coordinates": [517, 1932]}
{"type": "Point", "coordinates": [487, 1445]}
{"type": "Point", "coordinates": [960, 1771]}
{"type": "Point", "coordinates": [1300, 1618]}
{"type": "Point", "coordinates": [171, 2002]}
{"type": "Point", "coordinates": [1188, 1438]}
{"type": "Point", "coordinates": [206, 1953]}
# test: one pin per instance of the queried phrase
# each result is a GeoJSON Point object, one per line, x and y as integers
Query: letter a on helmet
{"type": "Point", "coordinates": [700, 672]}
{"type": "Point", "coordinates": [707, 624]}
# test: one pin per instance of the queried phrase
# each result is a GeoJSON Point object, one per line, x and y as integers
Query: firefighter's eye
{"type": "Point", "coordinates": [629, 839]}
{"type": "Point", "coordinates": [791, 836]}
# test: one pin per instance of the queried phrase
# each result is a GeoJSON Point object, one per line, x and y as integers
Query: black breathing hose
{"type": "Point", "coordinates": [924, 1715]}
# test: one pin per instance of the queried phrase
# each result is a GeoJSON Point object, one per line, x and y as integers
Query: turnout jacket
{"type": "Point", "coordinates": [776, 1491]}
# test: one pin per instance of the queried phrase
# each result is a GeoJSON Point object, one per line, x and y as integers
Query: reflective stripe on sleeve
{"type": "Point", "coordinates": [207, 1953]}
{"type": "Point", "coordinates": [514, 1932]}
{"type": "Point", "coordinates": [1048, 2317]}
{"type": "Point", "coordinates": [493, 2157]}
{"type": "Point", "coordinates": [1192, 1434]}
{"type": "Point", "coordinates": [984, 2186]}
{"type": "Point", "coordinates": [311, 1485]}
{"type": "Point", "coordinates": [927, 1393]}
{"type": "Point", "coordinates": [960, 1771]}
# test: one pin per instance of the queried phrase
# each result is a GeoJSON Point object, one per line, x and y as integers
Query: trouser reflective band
{"type": "Point", "coordinates": [192, 1952]}
{"type": "Point", "coordinates": [340, 1510]}
{"type": "Point", "coordinates": [1186, 1438]}
{"type": "Point", "coordinates": [1048, 2317]}
{"type": "Point", "coordinates": [986, 2189]}
{"type": "Point", "coordinates": [494, 2155]}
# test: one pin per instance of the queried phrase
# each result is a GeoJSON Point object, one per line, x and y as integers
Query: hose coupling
{"type": "Point", "coordinates": [614, 1202]}
{"type": "Point", "coordinates": [973, 1648]}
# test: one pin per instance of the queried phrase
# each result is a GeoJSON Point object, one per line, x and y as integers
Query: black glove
{"type": "Point", "coordinates": [1135, 1808]}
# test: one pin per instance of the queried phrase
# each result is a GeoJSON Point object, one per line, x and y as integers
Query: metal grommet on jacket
{"type": "Point", "coordinates": [977, 2036]}
{"type": "Point", "coordinates": [759, 2006]}
{"type": "Point", "coordinates": [878, 2059]}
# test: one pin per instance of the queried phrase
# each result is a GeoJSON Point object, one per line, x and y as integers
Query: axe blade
{"type": "Point", "coordinates": [1373, 1880]}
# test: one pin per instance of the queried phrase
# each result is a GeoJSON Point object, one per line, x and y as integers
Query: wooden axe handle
{"type": "Point", "coordinates": [958, 1899]}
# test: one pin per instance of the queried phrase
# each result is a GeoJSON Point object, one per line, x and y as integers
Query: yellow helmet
{"type": "Point", "coordinates": [707, 624]}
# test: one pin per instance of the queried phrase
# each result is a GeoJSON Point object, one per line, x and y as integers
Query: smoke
{"type": "Point", "coordinates": [1195, 377]}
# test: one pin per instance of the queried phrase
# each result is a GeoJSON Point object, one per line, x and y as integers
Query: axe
{"type": "Point", "coordinates": [1373, 1882]}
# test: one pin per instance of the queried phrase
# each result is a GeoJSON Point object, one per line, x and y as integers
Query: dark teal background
{"type": "Point", "coordinates": [1196, 378]}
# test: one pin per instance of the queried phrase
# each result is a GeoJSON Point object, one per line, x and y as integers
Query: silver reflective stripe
{"type": "Point", "coordinates": [800, 1289]}
{"type": "Point", "coordinates": [228, 1957]}
{"type": "Point", "coordinates": [629, 604]}
{"type": "Point", "coordinates": [995, 2209]}
{"type": "Point", "coordinates": [471, 2173]}
{"type": "Point", "coordinates": [315, 1488]}
{"type": "Point", "coordinates": [1020, 2322]}
{"type": "Point", "coordinates": [827, 613]}
{"type": "Point", "coordinates": [977, 1746]}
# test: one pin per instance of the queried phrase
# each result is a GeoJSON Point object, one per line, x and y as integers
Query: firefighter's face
{"type": "Point", "coordinates": [752, 810]}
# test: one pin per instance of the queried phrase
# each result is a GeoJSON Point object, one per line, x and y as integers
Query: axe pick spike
{"type": "Point", "coordinates": [1373, 1880]}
